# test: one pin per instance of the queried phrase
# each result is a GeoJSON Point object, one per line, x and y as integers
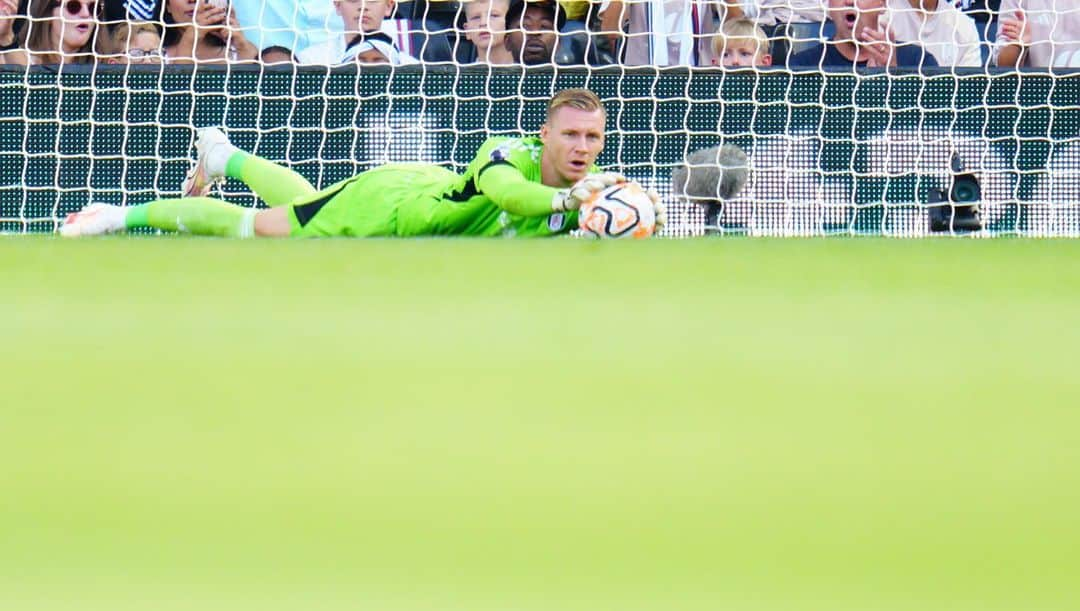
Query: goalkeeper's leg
{"type": "Point", "coordinates": [196, 215]}
{"type": "Point", "coordinates": [218, 158]}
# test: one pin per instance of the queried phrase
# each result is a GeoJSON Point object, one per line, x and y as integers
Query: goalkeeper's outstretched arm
{"type": "Point", "coordinates": [508, 188]}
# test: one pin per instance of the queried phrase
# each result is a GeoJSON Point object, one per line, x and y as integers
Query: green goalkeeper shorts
{"type": "Point", "coordinates": [367, 204]}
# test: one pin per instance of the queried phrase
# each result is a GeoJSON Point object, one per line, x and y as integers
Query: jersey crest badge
{"type": "Point", "coordinates": [500, 153]}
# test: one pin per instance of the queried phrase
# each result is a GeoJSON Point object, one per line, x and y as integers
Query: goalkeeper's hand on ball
{"type": "Point", "coordinates": [572, 198]}
{"type": "Point", "coordinates": [659, 208]}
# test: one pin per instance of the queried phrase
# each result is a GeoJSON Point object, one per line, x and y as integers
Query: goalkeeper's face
{"type": "Point", "coordinates": [573, 139]}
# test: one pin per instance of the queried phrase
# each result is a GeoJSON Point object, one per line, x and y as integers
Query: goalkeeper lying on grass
{"type": "Point", "coordinates": [514, 186]}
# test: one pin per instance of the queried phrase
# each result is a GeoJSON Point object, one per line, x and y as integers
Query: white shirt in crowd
{"type": "Point", "coordinates": [947, 33]}
{"type": "Point", "coordinates": [667, 32]}
{"type": "Point", "coordinates": [679, 32]}
{"type": "Point", "coordinates": [772, 12]}
{"type": "Point", "coordinates": [660, 33]}
{"type": "Point", "coordinates": [1055, 32]}
{"type": "Point", "coordinates": [293, 24]}
{"type": "Point", "coordinates": [333, 51]}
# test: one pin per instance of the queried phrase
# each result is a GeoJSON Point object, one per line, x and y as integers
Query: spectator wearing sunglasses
{"type": "Point", "coordinates": [131, 43]}
{"type": "Point", "coordinates": [56, 32]}
{"type": "Point", "coordinates": [204, 32]}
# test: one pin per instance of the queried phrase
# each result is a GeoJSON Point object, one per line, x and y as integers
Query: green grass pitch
{"type": "Point", "coordinates": [847, 424]}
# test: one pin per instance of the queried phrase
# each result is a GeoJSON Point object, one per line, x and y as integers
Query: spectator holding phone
{"type": "Point", "coordinates": [204, 31]}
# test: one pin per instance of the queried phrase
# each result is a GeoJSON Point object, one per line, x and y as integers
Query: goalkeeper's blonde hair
{"type": "Point", "coordinates": [581, 99]}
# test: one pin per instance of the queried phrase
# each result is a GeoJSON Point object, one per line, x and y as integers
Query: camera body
{"type": "Point", "coordinates": [956, 210]}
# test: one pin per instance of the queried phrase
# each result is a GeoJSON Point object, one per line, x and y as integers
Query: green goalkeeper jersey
{"type": "Point", "coordinates": [500, 193]}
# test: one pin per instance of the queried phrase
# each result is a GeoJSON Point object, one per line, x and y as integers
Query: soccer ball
{"type": "Point", "coordinates": [620, 211]}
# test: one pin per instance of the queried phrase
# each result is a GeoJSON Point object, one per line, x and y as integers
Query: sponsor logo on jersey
{"type": "Point", "coordinates": [555, 221]}
{"type": "Point", "coordinates": [533, 148]}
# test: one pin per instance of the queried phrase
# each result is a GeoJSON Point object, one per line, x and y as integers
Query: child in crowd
{"type": "Point", "coordinates": [131, 43]}
{"type": "Point", "coordinates": [741, 43]}
{"type": "Point", "coordinates": [363, 24]}
{"type": "Point", "coordinates": [484, 24]}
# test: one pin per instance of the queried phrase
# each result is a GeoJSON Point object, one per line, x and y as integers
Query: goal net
{"type": "Point", "coordinates": [829, 153]}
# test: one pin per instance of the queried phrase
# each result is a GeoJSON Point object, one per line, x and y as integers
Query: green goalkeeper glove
{"type": "Point", "coordinates": [572, 198]}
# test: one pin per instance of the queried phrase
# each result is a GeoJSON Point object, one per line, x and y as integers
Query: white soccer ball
{"type": "Point", "coordinates": [620, 211]}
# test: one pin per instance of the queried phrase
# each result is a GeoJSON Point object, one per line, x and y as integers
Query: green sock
{"type": "Point", "coordinates": [234, 167]}
{"type": "Point", "coordinates": [274, 184]}
{"type": "Point", "coordinates": [197, 215]}
{"type": "Point", "coordinates": [136, 217]}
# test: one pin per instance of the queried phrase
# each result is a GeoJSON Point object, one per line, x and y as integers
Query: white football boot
{"type": "Point", "coordinates": [94, 219]}
{"type": "Point", "coordinates": [212, 148]}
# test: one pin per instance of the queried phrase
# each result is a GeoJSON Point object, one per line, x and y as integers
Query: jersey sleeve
{"type": "Point", "coordinates": [510, 190]}
{"type": "Point", "coordinates": [508, 173]}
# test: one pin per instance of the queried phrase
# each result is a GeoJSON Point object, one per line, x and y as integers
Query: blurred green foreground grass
{"type": "Point", "coordinates": [729, 424]}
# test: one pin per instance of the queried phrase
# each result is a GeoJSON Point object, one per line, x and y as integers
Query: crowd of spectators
{"type": "Point", "coordinates": [800, 34]}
